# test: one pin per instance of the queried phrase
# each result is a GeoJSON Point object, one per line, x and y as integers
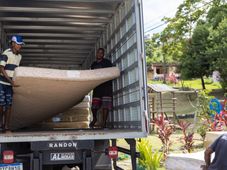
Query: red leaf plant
{"type": "Point", "coordinates": [164, 130]}
{"type": "Point", "coordinates": [218, 123]}
{"type": "Point", "coordinates": [187, 136]}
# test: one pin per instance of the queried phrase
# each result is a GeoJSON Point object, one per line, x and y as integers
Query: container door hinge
{"type": "Point", "coordinates": [142, 56]}
{"type": "Point", "coordinates": [139, 2]}
{"type": "Point", "coordinates": [145, 114]}
{"type": "Point", "coordinates": [147, 121]}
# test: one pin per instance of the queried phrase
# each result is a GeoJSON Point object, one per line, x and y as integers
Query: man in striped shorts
{"type": "Point", "coordinates": [102, 94]}
{"type": "Point", "coordinates": [9, 60]}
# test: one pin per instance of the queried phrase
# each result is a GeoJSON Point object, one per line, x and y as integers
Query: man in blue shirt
{"type": "Point", "coordinates": [219, 147]}
{"type": "Point", "coordinates": [9, 61]}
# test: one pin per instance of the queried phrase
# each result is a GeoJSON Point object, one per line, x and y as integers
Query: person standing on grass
{"type": "Point", "coordinates": [102, 95]}
{"type": "Point", "coordinates": [9, 61]}
{"type": "Point", "coordinates": [219, 147]}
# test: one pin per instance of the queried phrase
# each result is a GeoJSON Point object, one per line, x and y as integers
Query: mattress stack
{"type": "Point", "coordinates": [77, 117]}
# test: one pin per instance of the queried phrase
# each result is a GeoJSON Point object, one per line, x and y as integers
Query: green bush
{"type": "Point", "coordinates": [149, 159]}
{"type": "Point", "coordinates": [202, 130]}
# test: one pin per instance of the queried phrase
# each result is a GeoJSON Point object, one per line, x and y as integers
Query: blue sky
{"type": "Point", "coordinates": [155, 10]}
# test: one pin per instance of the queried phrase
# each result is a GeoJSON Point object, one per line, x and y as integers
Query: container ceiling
{"type": "Point", "coordinates": [56, 32]}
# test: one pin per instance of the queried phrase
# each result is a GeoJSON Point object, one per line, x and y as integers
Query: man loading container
{"type": "Point", "coordinates": [9, 60]}
{"type": "Point", "coordinates": [102, 94]}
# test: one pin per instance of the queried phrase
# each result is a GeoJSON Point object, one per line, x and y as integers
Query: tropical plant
{"type": "Point", "coordinates": [195, 38]}
{"type": "Point", "coordinates": [218, 123]}
{"type": "Point", "coordinates": [217, 21]}
{"type": "Point", "coordinates": [149, 159]}
{"type": "Point", "coordinates": [196, 62]}
{"type": "Point", "coordinates": [206, 48]}
{"type": "Point", "coordinates": [187, 136]}
{"type": "Point", "coordinates": [203, 110]}
{"type": "Point", "coordinates": [202, 129]}
{"type": "Point", "coordinates": [209, 119]}
{"type": "Point", "coordinates": [164, 129]}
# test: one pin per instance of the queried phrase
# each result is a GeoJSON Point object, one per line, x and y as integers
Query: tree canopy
{"type": "Point", "coordinates": [195, 38]}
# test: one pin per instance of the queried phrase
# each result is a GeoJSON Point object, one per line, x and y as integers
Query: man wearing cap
{"type": "Point", "coordinates": [9, 60]}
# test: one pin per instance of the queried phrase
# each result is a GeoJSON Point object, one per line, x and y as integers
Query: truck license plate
{"type": "Point", "coordinates": [15, 166]}
{"type": "Point", "coordinates": [62, 156]}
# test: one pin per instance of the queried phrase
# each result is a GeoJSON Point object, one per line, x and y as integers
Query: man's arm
{"type": "Point", "coordinates": [2, 70]}
{"type": "Point", "coordinates": [3, 61]}
{"type": "Point", "coordinates": [207, 156]}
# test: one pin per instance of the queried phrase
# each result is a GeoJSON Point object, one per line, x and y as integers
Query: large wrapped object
{"type": "Point", "coordinates": [44, 93]}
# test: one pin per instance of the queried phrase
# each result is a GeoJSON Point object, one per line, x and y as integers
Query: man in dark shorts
{"type": "Point", "coordinates": [9, 60]}
{"type": "Point", "coordinates": [102, 94]}
{"type": "Point", "coordinates": [219, 147]}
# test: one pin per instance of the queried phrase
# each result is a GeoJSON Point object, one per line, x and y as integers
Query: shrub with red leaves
{"type": "Point", "coordinates": [164, 129]}
{"type": "Point", "coordinates": [218, 123]}
{"type": "Point", "coordinates": [187, 136]}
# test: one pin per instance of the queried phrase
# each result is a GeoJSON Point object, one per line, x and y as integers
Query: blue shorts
{"type": "Point", "coordinates": [6, 95]}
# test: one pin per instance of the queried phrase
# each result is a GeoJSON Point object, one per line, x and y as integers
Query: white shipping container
{"type": "Point", "coordinates": [65, 35]}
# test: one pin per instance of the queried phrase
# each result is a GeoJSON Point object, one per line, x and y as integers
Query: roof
{"type": "Point", "coordinates": [160, 88]}
{"type": "Point", "coordinates": [56, 32]}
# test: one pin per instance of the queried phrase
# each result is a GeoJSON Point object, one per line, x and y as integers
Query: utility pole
{"type": "Point", "coordinates": [164, 63]}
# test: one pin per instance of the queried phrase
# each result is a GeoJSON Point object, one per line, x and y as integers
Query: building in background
{"type": "Point", "coordinates": [157, 70]}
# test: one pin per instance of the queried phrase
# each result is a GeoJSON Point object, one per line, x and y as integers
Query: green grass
{"type": "Point", "coordinates": [192, 84]}
{"type": "Point", "coordinates": [162, 168]}
{"type": "Point", "coordinates": [196, 84]}
{"type": "Point", "coordinates": [176, 147]}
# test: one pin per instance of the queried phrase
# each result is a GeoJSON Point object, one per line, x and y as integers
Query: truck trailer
{"type": "Point", "coordinates": [65, 34]}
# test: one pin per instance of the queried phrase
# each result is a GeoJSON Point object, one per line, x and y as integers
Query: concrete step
{"type": "Point", "coordinates": [189, 161]}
